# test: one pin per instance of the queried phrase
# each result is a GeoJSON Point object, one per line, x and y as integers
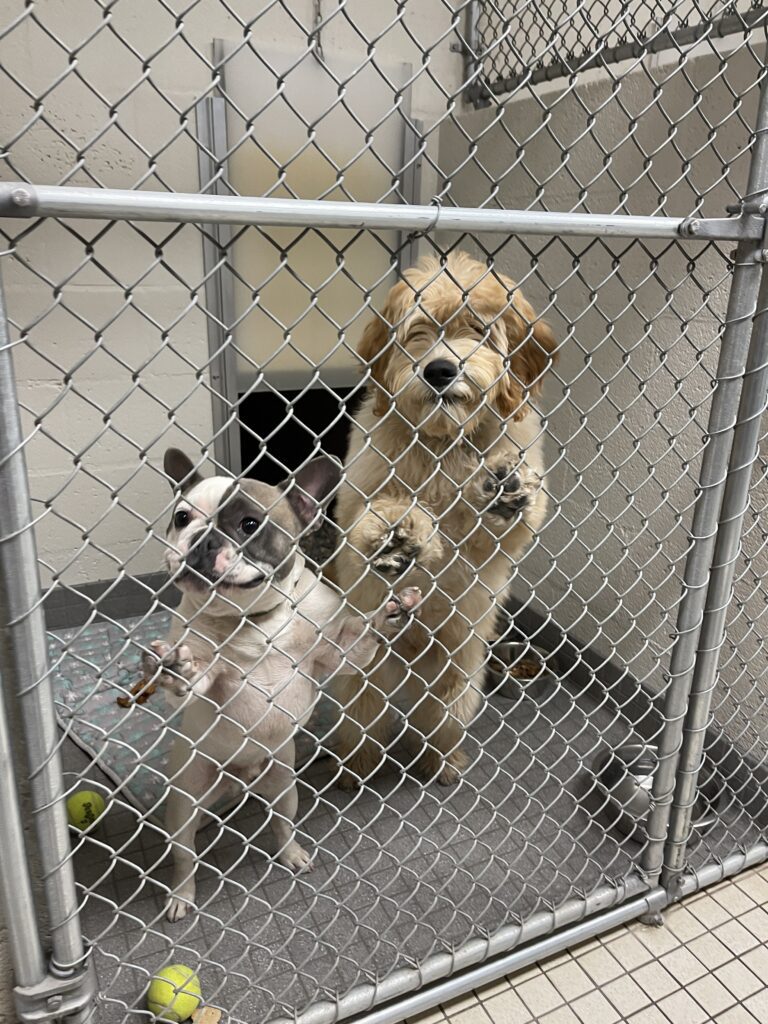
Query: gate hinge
{"type": "Point", "coordinates": [56, 997]}
{"type": "Point", "coordinates": [757, 211]}
{"type": "Point", "coordinates": [737, 229]}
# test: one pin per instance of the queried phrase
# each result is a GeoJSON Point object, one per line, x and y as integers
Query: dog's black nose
{"type": "Point", "coordinates": [440, 373]}
{"type": "Point", "coordinates": [203, 550]}
{"type": "Point", "coordinates": [207, 543]}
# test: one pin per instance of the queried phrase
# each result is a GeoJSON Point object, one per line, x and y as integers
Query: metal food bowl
{"type": "Point", "coordinates": [625, 776]}
{"type": "Point", "coordinates": [505, 682]}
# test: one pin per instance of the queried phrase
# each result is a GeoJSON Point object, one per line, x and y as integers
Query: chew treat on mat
{"type": "Point", "coordinates": [140, 693]}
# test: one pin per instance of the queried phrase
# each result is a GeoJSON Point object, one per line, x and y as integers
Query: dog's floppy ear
{"type": "Point", "coordinates": [310, 487]}
{"type": "Point", "coordinates": [180, 468]}
{"type": "Point", "coordinates": [532, 351]}
{"type": "Point", "coordinates": [375, 345]}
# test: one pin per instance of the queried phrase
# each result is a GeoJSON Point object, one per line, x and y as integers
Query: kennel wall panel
{"type": "Point", "coordinates": [357, 151]}
{"type": "Point", "coordinates": [665, 134]}
{"type": "Point", "coordinates": [147, 67]}
{"type": "Point", "coordinates": [101, 366]}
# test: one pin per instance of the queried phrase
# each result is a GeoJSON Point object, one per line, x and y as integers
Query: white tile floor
{"type": "Point", "coordinates": [708, 963]}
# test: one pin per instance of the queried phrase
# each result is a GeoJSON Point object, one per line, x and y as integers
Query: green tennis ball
{"type": "Point", "coordinates": [84, 808]}
{"type": "Point", "coordinates": [174, 993]}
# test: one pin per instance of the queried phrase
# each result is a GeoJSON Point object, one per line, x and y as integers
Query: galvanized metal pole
{"type": "Point", "coordinates": [735, 346]}
{"type": "Point", "coordinates": [219, 292]}
{"type": "Point", "coordinates": [25, 672]}
{"type": "Point", "coordinates": [719, 592]}
{"type": "Point", "coordinates": [475, 91]}
{"type": "Point", "coordinates": [19, 910]}
{"type": "Point", "coordinates": [21, 199]}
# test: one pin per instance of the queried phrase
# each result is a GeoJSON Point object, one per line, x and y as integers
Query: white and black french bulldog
{"type": "Point", "coordinates": [255, 634]}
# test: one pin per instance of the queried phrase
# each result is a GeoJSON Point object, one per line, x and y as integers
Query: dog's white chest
{"type": "Point", "coordinates": [262, 684]}
{"type": "Point", "coordinates": [252, 720]}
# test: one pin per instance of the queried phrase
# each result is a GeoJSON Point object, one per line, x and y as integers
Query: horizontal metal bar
{"type": "Point", "coordinates": [22, 200]}
{"type": "Point", "coordinates": [480, 961]}
{"type": "Point", "coordinates": [717, 871]}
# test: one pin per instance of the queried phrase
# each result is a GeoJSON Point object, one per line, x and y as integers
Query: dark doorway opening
{"type": "Point", "coordinates": [280, 431]}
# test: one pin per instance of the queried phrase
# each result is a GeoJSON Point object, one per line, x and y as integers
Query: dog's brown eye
{"type": "Point", "coordinates": [249, 526]}
{"type": "Point", "coordinates": [181, 519]}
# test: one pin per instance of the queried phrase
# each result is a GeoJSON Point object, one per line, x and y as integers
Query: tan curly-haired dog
{"type": "Point", "coordinates": [443, 490]}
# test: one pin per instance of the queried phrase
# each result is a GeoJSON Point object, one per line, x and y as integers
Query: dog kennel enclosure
{"type": "Point", "coordinates": [202, 205]}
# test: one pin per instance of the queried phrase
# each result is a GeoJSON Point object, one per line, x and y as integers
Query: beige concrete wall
{"type": "Point", "coordinates": [640, 323]}
{"type": "Point", "coordinates": [112, 344]}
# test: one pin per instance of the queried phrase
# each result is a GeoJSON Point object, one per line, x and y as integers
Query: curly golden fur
{"type": "Point", "coordinates": [443, 490]}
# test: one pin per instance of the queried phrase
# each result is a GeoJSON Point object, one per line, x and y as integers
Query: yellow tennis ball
{"type": "Point", "coordinates": [84, 808]}
{"type": "Point", "coordinates": [174, 993]}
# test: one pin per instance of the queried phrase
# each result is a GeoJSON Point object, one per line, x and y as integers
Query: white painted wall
{"type": "Point", "coordinates": [112, 347]}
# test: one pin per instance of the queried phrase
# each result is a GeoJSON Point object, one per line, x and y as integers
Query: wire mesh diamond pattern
{"type": "Point", "coordinates": [455, 788]}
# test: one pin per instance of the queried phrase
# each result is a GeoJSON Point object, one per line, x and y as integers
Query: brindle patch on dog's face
{"type": "Point", "coordinates": [237, 537]}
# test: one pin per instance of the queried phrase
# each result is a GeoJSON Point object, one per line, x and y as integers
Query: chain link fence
{"type": "Point", "coordinates": [513, 44]}
{"type": "Point", "coordinates": [209, 229]}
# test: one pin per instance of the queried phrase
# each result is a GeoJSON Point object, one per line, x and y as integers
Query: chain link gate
{"type": "Point", "coordinates": [232, 195]}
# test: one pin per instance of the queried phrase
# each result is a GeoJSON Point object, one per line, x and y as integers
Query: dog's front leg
{"type": "Point", "coordinates": [174, 667]}
{"type": "Point", "coordinates": [394, 537]}
{"type": "Point", "coordinates": [193, 789]}
{"type": "Point", "coordinates": [361, 734]}
{"type": "Point", "coordinates": [444, 692]}
{"type": "Point", "coordinates": [191, 776]}
{"type": "Point", "coordinates": [277, 784]}
{"type": "Point", "coordinates": [510, 498]}
{"type": "Point", "coordinates": [352, 643]}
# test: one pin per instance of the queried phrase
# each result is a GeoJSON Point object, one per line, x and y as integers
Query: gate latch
{"type": "Point", "coordinates": [56, 997]}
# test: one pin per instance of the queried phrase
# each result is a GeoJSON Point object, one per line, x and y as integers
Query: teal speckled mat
{"type": "Point", "coordinates": [95, 664]}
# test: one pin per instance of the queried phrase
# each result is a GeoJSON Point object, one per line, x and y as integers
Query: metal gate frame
{"type": "Point", "coordinates": [65, 987]}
